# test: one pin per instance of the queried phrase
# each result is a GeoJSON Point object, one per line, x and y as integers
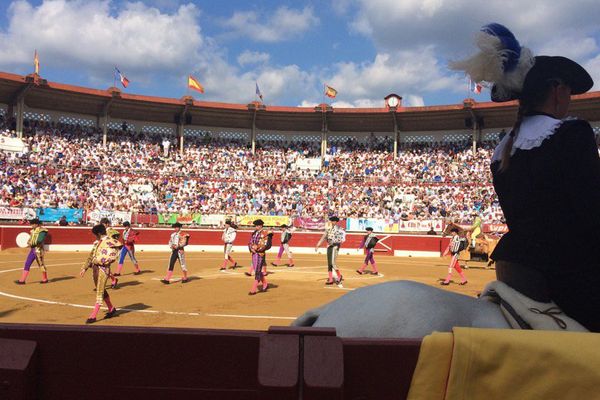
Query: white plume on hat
{"type": "Point", "coordinates": [501, 61]}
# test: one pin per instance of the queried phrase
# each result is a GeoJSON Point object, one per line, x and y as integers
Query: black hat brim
{"type": "Point", "coordinates": [547, 68]}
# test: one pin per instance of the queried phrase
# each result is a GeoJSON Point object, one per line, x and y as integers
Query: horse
{"type": "Point", "coordinates": [402, 309]}
{"type": "Point", "coordinates": [484, 245]}
{"type": "Point", "coordinates": [407, 309]}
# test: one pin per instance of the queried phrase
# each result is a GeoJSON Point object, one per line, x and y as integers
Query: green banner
{"type": "Point", "coordinates": [184, 219]}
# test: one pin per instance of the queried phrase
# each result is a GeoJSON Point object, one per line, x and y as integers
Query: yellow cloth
{"type": "Point", "coordinates": [113, 233]}
{"type": "Point", "coordinates": [107, 251]}
{"type": "Point", "coordinates": [431, 374]}
{"type": "Point", "coordinates": [507, 364]}
{"type": "Point", "coordinates": [34, 238]}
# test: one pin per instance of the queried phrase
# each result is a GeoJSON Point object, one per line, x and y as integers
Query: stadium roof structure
{"type": "Point", "coordinates": [38, 93]}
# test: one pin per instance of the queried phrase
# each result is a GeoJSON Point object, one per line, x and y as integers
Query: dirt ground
{"type": "Point", "coordinates": [212, 299]}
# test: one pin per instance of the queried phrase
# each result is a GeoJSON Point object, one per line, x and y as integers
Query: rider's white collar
{"type": "Point", "coordinates": [534, 130]}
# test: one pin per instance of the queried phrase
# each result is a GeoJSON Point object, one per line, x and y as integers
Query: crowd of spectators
{"type": "Point", "coordinates": [67, 166]}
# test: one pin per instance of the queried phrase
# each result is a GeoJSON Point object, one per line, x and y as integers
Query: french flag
{"type": "Point", "coordinates": [122, 78]}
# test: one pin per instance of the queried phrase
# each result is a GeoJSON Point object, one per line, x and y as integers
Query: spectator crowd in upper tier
{"type": "Point", "coordinates": [67, 166]}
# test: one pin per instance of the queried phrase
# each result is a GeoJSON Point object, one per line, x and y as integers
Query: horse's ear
{"type": "Point", "coordinates": [309, 318]}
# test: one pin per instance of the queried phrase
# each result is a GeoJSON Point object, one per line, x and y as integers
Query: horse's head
{"type": "Point", "coordinates": [449, 227]}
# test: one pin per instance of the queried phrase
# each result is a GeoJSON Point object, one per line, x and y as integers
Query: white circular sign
{"type": "Point", "coordinates": [393, 101]}
{"type": "Point", "coordinates": [23, 239]}
{"type": "Point", "coordinates": [29, 213]}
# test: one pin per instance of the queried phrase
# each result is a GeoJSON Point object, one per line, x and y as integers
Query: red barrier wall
{"type": "Point", "coordinates": [160, 236]}
{"type": "Point", "coordinates": [83, 362]}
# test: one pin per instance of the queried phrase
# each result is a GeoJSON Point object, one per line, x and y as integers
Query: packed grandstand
{"type": "Point", "coordinates": [66, 163]}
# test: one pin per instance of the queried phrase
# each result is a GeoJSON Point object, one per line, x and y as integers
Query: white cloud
{"type": "Point", "coordinates": [446, 28]}
{"type": "Point", "coordinates": [287, 81]}
{"type": "Point", "coordinates": [224, 82]}
{"type": "Point", "coordinates": [148, 45]}
{"type": "Point", "coordinates": [341, 7]}
{"type": "Point", "coordinates": [450, 24]}
{"type": "Point", "coordinates": [253, 57]}
{"type": "Point", "coordinates": [402, 72]}
{"type": "Point", "coordinates": [307, 103]}
{"type": "Point", "coordinates": [359, 103]}
{"type": "Point", "coordinates": [87, 35]}
{"type": "Point", "coordinates": [411, 74]}
{"type": "Point", "coordinates": [413, 101]}
{"type": "Point", "coordinates": [593, 67]}
{"type": "Point", "coordinates": [282, 25]}
{"type": "Point", "coordinates": [576, 46]}
{"type": "Point", "coordinates": [412, 40]}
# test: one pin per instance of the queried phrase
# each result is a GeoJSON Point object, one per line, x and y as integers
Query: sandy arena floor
{"type": "Point", "coordinates": [212, 299]}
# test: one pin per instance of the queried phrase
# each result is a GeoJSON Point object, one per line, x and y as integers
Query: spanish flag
{"type": "Point", "coordinates": [36, 63]}
{"type": "Point", "coordinates": [194, 84]}
{"type": "Point", "coordinates": [330, 92]}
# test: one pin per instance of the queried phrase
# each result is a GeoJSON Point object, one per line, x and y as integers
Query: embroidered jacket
{"type": "Point", "coordinates": [37, 237]}
{"type": "Point", "coordinates": [106, 251]}
{"type": "Point", "coordinates": [335, 235]}
{"type": "Point", "coordinates": [229, 235]}
{"type": "Point", "coordinates": [369, 241]}
{"type": "Point", "coordinates": [286, 236]}
{"type": "Point", "coordinates": [130, 236]}
{"type": "Point", "coordinates": [259, 241]}
{"type": "Point", "coordinates": [178, 240]}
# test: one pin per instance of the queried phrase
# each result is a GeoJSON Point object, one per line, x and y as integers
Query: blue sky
{"type": "Point", "coordinates": [365, 49]}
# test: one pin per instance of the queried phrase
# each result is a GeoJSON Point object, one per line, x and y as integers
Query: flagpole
{"type": "Point", "coordinates": [115, 77]}
{"type": "Point", "coordinates": [469, 88]}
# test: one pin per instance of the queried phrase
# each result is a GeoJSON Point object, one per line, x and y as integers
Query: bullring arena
{"type": "Point", "coordinates": [401, 169]}
{"type": "Point", "coordinates": [212, 299]}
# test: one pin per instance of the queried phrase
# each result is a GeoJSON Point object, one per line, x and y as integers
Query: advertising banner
{"type": "Point", "coordinates": [378, 225]}
{"type": "Point", "coordinates": [269, 220]}
{"type": "Point", "coordinates": [54, 214]}
{"type": "Point", "coordinates": [144, 218]}
{"type": "Point", "coordinates": [310, 223]}
{"type": "Point", "coordinates": [185, 219]}
{"type": "Point", "coordinates": [115, 217]}
{"type": "Point", "coordinates": [421, 225]}
{"type": "Point", "coordinates": [497, 228]}
{"type": "Point", "coordinates": [215, 219]}
{"type": "Point", "coordinates": [13, 144]}
{"type": "Point", "coordinates": [17, 213]}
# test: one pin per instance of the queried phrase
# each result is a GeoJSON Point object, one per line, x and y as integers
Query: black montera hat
{"type": "Point", "coordinates": [284, 226]}
{"type": "Point", "coordinates": [547, 68]}
{"type": "Point", "coordinates": [258, 222]}
{"type": "Point", "coordinates": [334, 219]}
{"type": "Point", "coordinates": [99, 230]}
{"type": "Point", "coordinates": [126, 223]}
{"type": "Point", "coordinates": [35, 221]}
{"type": "Point", "coordinates": [557, 67]}
{"type": "Point", "coordinates": [370, 229]}
{"type": "Point", "coordinates": [176, 225]}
